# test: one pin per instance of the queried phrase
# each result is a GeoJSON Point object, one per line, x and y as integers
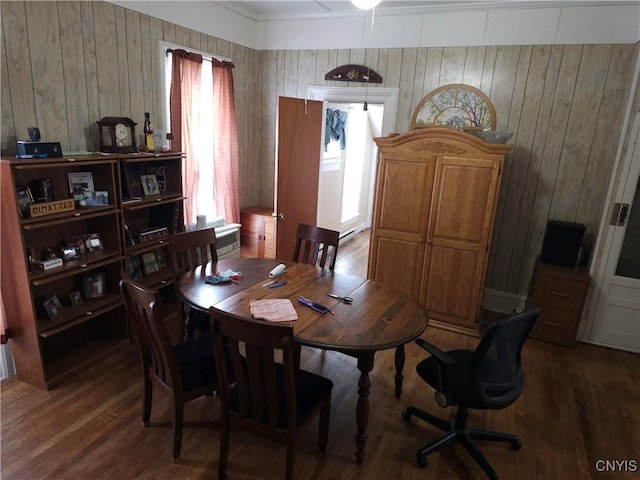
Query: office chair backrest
{"type": "Point", "coordinates": [314, 239]}
{"type": "Point", "coordinates": [496, 364]}
{"type": "Point", "coordinates": [259, 389]}
{"type": "Point", "coordinates": [191, 249]}
{"type": "Point", "coordinates": [143, 307]}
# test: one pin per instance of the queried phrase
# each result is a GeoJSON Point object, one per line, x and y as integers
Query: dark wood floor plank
{"type": "Point", "coordinates": [580, 405]}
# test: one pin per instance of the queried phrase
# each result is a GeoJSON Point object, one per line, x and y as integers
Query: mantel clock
{"type": "Point", "coordinates": [117, 135]}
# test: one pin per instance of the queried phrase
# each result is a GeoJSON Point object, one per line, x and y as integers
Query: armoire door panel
{"type": "Point", "coordinates": [464, 200]}
{"type": "Point", "coordinates": [398, 263]}
{"type": "Point", "coordinates": [451, 279]}
{"type": "Point", "coordinates": [403, 210]}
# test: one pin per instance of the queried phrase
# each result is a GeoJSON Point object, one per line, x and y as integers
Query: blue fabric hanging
{"type": "Point", "coordinates": [335, 127]}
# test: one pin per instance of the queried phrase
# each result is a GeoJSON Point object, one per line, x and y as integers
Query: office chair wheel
{"type": "Point", "coordinates": [516, 445]}
{"type": "Point", "coordinates": [406, 415]}
{"type": "Point", "coordinates": [422, 460]}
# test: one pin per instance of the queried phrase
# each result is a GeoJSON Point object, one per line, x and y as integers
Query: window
{"type": "Point", "coordinates": [199, 108]}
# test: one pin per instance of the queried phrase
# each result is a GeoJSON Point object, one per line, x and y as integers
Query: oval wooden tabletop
{"type": "Point", "coordinates": [379, 317]}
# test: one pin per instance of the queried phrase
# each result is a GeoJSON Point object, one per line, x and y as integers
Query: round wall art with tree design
{"type": "Point", "coordinates": [458, 106]}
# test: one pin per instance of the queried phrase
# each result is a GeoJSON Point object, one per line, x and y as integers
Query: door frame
{"type": "Point", "coordinates": [612, 238]}
{"type": "Point", "coordinates": [388, 97]}
{"type": "Point", "coordinates": [603, 240]}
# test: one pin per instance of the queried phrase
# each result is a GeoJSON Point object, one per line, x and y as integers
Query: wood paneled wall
{"type": "Point", "coordinates": [67, 64]}
{"type": "Point", "coordinates": [565, 103]}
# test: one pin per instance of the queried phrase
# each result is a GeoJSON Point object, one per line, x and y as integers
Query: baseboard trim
{"type": "Point", "coordinates": [453, 328]}
{"type": "Point", "coordinates": [503, 302]}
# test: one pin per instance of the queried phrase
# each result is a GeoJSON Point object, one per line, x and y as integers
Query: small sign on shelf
{"type": "Point", "coordinates": [50, 208]}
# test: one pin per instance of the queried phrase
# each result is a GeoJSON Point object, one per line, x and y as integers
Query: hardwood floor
{"type": "Point", "coordinates": [580, 405]}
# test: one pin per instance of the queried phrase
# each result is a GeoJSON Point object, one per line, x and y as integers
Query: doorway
{"type": "Point", "coordinates": [347, 176]}
{"type": "Point", "coordinates": [347, 166]}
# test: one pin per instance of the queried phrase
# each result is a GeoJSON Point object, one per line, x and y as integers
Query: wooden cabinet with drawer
{"type": "Point", "coordinates": [560, 293]}
{"type": "Point", "coordinates": [258, 233]}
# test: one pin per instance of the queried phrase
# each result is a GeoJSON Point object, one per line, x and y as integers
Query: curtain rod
{"type": "Point", "coordinates": [206, 57]}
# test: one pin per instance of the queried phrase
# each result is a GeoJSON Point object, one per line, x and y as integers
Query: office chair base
{"type": "Point", "coordinates": [458, 431]}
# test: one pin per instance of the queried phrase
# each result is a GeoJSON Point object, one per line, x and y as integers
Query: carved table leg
{"type": "Point", "coordinates": [365, 365]}
{"type": "Point", "coordinates": [399, 367]}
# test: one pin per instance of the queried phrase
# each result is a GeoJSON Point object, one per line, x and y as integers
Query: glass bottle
{"type": "Point", "coordinates": [148, 133]}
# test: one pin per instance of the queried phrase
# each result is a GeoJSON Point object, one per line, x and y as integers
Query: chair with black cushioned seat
{"type": "Point", "coordinates": [316, 239]}
{"type": "Point", "coordinates": [189, 250]}
{"type": "Point", "coordinates": [489, 377]}
{"type": "Point", "coordinates": [269, 398]}
{"type": "Point", "coordinates": [183, 372]}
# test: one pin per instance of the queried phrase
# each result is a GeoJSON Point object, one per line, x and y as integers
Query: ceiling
{"type": "Point", "coordinates": [280, 10]}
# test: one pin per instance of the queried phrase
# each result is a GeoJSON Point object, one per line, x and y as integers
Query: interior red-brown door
{"type": "Point", "coordinates": [297, 169]}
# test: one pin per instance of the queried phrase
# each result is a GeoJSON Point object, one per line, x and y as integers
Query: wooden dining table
{"type": "Point", "coordinates": [379, 317]}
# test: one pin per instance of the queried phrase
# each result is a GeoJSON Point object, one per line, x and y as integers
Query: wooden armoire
{"type": "Point", "coordinates": [434, 209]}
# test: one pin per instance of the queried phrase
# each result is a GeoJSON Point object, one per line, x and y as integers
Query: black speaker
{"type": "Point", "coordinates": [561, 243]}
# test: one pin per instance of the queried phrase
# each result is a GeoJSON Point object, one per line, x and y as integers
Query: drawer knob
{"type": "Point", "coordinates": [559, 294]}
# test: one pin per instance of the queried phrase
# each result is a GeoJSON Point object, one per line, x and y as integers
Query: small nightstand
{"type": "Point", "coordinates": [258, 233]}
{"type": "Point", "coordinates": [560, 293]}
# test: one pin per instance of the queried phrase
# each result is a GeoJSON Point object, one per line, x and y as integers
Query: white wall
{"type": "Point", "coordinates": [565, 23]}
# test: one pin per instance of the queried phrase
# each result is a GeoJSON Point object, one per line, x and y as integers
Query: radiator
{"type": "Point", "coordinates": [228, 241]}
{"type": "Point", "coordinates": [227, 236]}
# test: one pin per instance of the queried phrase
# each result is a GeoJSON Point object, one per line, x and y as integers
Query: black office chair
{"type": "Point", "coordinates": [489, 377]}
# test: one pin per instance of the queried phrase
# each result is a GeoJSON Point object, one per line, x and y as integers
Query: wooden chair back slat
{"type": "Point", "coordinates": [316, 240]}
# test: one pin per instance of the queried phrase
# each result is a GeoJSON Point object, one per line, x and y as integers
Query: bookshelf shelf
{"type": "Point", "coordinates": [53, 336]}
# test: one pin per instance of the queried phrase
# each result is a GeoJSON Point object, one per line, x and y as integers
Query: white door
{"type": "Point", "coordinates": [617, 318]}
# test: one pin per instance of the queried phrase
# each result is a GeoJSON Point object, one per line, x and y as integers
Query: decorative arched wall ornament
{"type": "Point", "coordinates": [353, 73]}
{"type": "Point", "coordinates": [456, 105]}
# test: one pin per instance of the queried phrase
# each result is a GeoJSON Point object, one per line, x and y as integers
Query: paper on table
{"type": "Point", "coordinates": [273, 310]}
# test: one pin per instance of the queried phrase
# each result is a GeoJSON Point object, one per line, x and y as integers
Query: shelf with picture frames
{"type": "Point", "coordinates": [61, 269]}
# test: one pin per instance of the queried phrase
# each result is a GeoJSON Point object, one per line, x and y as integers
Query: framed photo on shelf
{"type": "Point", "coordinates": [75, 298]}
{"type": "Point", "coordinates": [131, 185]}
{"type": "Point", "coordinates": [160, 258]}
{"type": "Point", "coordinates": [149, 263]}
{"type": "Point", "coordinates": [160, 176]}
{"type": "Point", "coordinates": [93, 285]}
{"type": "Point", "coordinates": [134, 267]}
{"type": "Point", "coordinates": [93, 242]}
{"type": "Point", "coordinates": [149, 184]}
{"type": "Point", "coordinates": [52, 306]}
{"type": "Point", "coordinates": [25, 198]}
{"type": "Point", "coordinates": [79, 183]}
{"type": "Point", "coordinates": [96, 199]}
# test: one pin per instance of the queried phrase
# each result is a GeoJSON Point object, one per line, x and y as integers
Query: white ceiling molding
{"type": "Point", "coordinates": [301, 25]}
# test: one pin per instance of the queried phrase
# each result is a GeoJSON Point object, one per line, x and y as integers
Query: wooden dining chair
{"type": "Point", "coordinates": [182, 372]}
{"type": "Point", "coordinates": [187, 251]}
{"type": "Point", "coordinates": [269, 398]}
{"type": "Point", "coordinates": [316, 239]}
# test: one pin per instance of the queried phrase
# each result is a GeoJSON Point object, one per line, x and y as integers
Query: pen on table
{"type": "Point", "coordinates": [268, 283]}
{"type": "Point", "coordinates": [279, 284]}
